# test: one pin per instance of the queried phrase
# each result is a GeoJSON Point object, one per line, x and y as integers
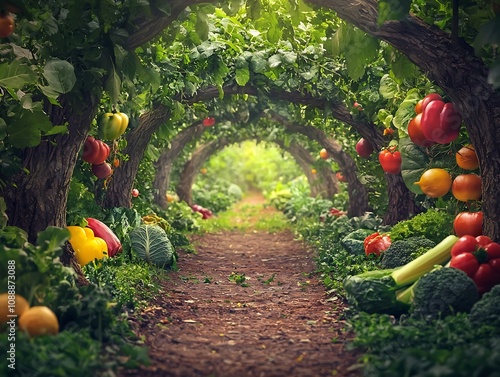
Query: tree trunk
{"type": "Point", "coordinates": [165, 162]}
{"type": "Point", "coordinates": [323, 184]}
{"type": "Point", "coordinates": [120, 186]}
{"type": "Point", "coordinates": [191, 168]}
{"type": "Point", "coordinates": [358, 195]}
{"type": "Point", "coordinates": [38, 195]}
{"type": "Point", "coordinates": [459, 72]}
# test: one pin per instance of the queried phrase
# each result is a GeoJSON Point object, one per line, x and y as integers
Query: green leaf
{"type": "Point", "coordinates": [15, 75]}
{"type": "Point", "coordinates": [392, 10]}
{"type": "Point", "coordinates": [25, 128]}
{"type": "Point", "coordinates": [406, 111]}
{"type": "Point", "coordinates": [414, 163]}
{"type": "Point", "coordinates": [52, 238]}
{"type": "Point", "coordinates": [60, 75]}
{"type": "Point", "coordinates": [341, 38]}
{"type": "Point", "coordinates": [113, 85]}
{"type": "Point", "coordinates": [201, 26]}
{"type": "Point", "coordinates": [258, 62]}
{"type": "Point", "coordinates": [274, 61]}
{"type": "Point", "coordinates": [388, 87]}
{"type": "Point", "coordinates": [242, 76]}
{"type": "Point", "coordinates": [253, 9]}
{"type": "Point", "coordinates": [403, 68]}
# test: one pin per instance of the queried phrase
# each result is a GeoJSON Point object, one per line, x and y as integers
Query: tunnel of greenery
{"type": "Point", "coordinates": [134, 112]}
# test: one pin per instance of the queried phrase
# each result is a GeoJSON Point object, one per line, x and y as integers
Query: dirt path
{"type": "Point", "coordinates": [246, 304]}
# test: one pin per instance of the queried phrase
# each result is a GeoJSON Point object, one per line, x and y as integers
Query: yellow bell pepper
{"type": "Point", "coordinates": [87, 247]}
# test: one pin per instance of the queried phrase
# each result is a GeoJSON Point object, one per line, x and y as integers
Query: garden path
{"type": "Point", "coordinates": [245, 305]}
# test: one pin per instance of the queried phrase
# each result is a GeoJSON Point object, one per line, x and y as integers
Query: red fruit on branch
{"type": "Point", "coordinates": [364, 148]}
{"type": "Point", "coordinates": [208, 122]}
{"type": "Point", "coordinates": [390, 160]}
{"type": "Point", "coordinates": [102, 170]}
{"type": "Point", "coordinates": [95, 151]}
{"type": "Point", "coordinates": [416, 134]}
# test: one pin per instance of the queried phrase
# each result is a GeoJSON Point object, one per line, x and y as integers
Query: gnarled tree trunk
{"type": "Point", "coordinates": [38, 195]}
{"type": "Point", "coordinates": [358, 195]}
{"type": "Point", "coordinates": [165, 161]}
{"type": "Point", "coordinates": [120, 186]}
{"type": "Point", "coordinates": [192, 167]}
{"type": "Point", "coordinates": [323, 184]}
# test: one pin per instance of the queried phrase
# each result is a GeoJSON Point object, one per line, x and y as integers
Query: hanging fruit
{"type": "Point", "coordinates": [95, 151]}
{"type": "Point", "coordinates": [390, 160]}
{"type": "Point", "coordinates": [112, 125]}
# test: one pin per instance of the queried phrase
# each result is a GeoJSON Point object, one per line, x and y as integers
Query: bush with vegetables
{"type": "Point", "coordinates": [401, 252]}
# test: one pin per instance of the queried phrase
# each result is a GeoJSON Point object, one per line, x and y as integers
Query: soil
{"type": "Point", "coordinates": [245, 305]}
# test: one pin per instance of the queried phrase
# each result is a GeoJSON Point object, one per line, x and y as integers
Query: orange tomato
{"type": "Point", "coordinates": [39, 320]}
{"type": "Point", "coordinates": [6, 24]}
{"type": "Point", "coordinates": [323, 154]}
{"type": "Point", "coordinates": [467, 187]}
{"type": "Point", "coordinates": [435, 182]}
{"type": "Point", "coordinates": [467, 158]}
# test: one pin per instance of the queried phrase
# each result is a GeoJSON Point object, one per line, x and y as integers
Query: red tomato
{"type": "Point", "coordinates": [495, 266]}
{"type": "Point", "coordinates": [340, 176]}
{"type": "Point", "coordinates": [466, 262]}
{"type": "Point", "coordinates": [468, 223]}
{"type": "Point", "coordinates": [493, 250]}
{"type": "Point", "coordinates": [483, 240]}
{"type": "Point", "coordinates": [480, 263]}
{"type": "Point", "coordinates": [208, 122]}
{"type": "Point", "coordinates": [416, 134]}
{"type": "Point", "coordinates": [135, 193]}
{"type": "Point", "coordinates": [463, 245]}
{"type": "Point", "coordinates": [485, 278]}
{"type": "Point", "coordinates": [390, 159]}
{"type": "Point", "coordinates": [6, 24]}
{"type": "Point", "coordinates": [467, 187]}
{"type": "Point", "coordinates": [418, 106]}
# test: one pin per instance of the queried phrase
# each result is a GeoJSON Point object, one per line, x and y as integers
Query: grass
{"type": "Point", "coordinates": [246, 217]}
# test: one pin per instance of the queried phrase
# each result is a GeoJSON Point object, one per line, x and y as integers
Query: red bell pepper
{"type": "Point", "coordinates": [376, 243]}
{"type": "Point", "coordinates": [390, 160]}
{"type": "Point", "coordinates": [440, 121]}
{"type": "Point", "coordinates": [95, 151]}
{"type": "Point", "coordinates": [101, 230]}
{"type": "Point", "coordinates": [479, 258]}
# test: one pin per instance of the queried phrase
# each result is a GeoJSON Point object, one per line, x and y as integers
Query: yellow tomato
{"type": "Point", "coordinates": [19, 306]}
{"type": "Point", "coordinates": [435, 182]}
{"type": "Point", "coordinates": [39, 320]}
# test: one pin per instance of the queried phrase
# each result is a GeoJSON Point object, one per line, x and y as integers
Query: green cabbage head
{"type": "Point", "coordinates": [151, 243]}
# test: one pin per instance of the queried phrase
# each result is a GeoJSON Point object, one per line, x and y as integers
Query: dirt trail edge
{"type": "Point", "coordinates": [246, 304]}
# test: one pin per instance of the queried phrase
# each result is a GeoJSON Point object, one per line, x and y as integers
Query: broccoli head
{"type": "Point", "coordinates": [487, 310]}
{"type": "Point", "coordinates": [442, 292]}
{"type": "Point", "coordinates": [402, 252]}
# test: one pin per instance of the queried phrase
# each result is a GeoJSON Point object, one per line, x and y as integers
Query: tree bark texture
{"type": "Point", "coordinates": [165, 162]}
{"type": "Point", "coordinates": [191, 168]}
{"type": "Point", "coordinates": [454, 67]}
{"type": "Point", "coordinates": [324, 183]}
{"type": "Point", "coordinates": [151, 26]}
{"type": "Point", "coordinates": [358, 195]}
{"type": "Point", "coordinates": [120, 186]}
{"type": "Point", "coordinates": [38, 195]}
